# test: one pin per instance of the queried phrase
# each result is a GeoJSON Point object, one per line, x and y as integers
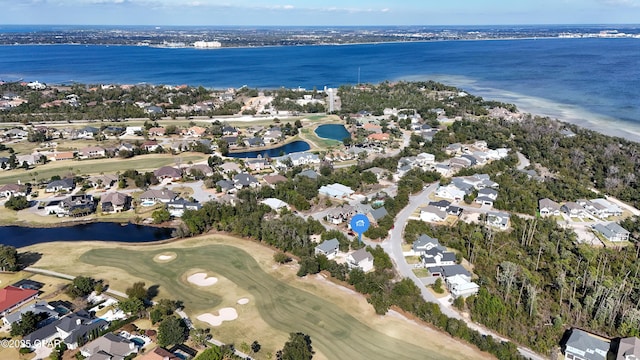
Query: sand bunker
{"type": "Point", "coordinates": [165, 257]}
{"type": "Point", "coordinates": [243, 301]}
{"type": "Point", "coordinates": [202, 279]}
{"type": "Point", "coordinates": [226, 314]}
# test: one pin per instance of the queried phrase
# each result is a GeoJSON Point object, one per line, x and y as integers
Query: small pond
{"type": "Point", "coordinates": [292, 147]}
{"type": "Point", "coordinates": [332, 131]}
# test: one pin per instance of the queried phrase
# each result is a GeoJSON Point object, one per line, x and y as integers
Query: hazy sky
{"type": "Point", "coordinates": [318, 12]}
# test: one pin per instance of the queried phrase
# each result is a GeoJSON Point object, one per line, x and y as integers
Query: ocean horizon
{"type": "Point", "coordinates": [594, 83]}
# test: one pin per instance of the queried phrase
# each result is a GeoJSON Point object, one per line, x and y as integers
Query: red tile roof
{"type": "Point", "coordinates": [11, 295]}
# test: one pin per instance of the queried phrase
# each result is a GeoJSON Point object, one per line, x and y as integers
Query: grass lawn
{"type": "Point", "coordinates": [420, 272]}
{"type": "Point", "coordinates": [412, 259]}
{"type": "Point", "coordinates": [340, 322]}
{"type": "Point", "coordinates": [148, 162]}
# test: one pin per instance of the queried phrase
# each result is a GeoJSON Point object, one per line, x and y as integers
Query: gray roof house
{"type": "Point", "coordinates": [628, 349]}
{"type": "Point", "coordinates": [163, 195]}
{"type": "Point", "coordinates": [612, 231]}
{"type": "Point", "coordinates": [168, 172]}
{"type": "Point", "coordinates": [499, 220]}
{"type": "Point", "coordinates": [548, 207]}
{"type": "Point", "coordinates": [225, 185]}
{"type": "Point", "coordinates": [178, 206]}
{"type": "Point", "coordinates": [40, 307]}
{"type": "Point", "coordinates": [110, 346]}
{"type": "Point", "coordinates": [114, 202]}
{"type": "Point", "coordinates": [361, 259]}
{"type": "Point", "coordinates": [450, 270]}
{"type": "Point", "coordinates": [424, 243]}
{"type": "Point", "coordinates": [245, 180]}
{"type": "Point", "coordinates": [311, 174]}
{"type": "Point", "coordinates": [66, 184]}
{"type": "Point", "coordinates": [587, 346]}
{"type": "Point", "coordinates": [377, 214]}
{"type": "Point", "coordinates": [71, 329]}
{"type": "Point", "coordinates": [438, 256]}
{"type": "Point", "coordinates": [328, 248]}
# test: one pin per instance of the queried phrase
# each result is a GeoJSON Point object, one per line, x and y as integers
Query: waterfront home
{"type": "Point", "coordinates": [612, 231]}
{"type": "Point", "coordinates": [328, 248]}
{"type": "Point", "coordinates": [115, 202]}
{"type": "Point", "coordinates": [178, 206]}
{"type": "Point", "coordinates": [360, 259]}
{"type": "Point", "coordinates": [272, 136]}
{"type": "Point", "coordinates": [548, 207]}
{"type": "Point", "coordinates": [12, 297]}
{"type": "Point", "coordinates": [254, 142]}
{"type": "Point", "coordinates": [301, 158]}
{"type": "Point", "coordinates": [74, 205]}
{"type": "Point", "coordinates": [230, 140]}
{"type": "Point", "coordinates": [10, 190]}
{"type": "Point", "coordinates": [257, 164]}
{"type": "Point", "coordinates": [152, 196]}
{"type": "Point", "coordinates": [66, 184]}
{"type": "Point", "coordinates": [109, 346]}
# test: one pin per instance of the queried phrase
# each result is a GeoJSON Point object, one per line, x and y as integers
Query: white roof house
{"type": "Point", "coordinates": [431, 213]}
{"type": "Point", "coordinates": [361, 259]}
{"type": "Point", "coordinates": [459, 285]}
{"type": "Point", "coordinates": [336, 190]}
{"type": "Point", "coordinates": [275, 204]}
{"type": "Point", "coordinates": [450, 192]}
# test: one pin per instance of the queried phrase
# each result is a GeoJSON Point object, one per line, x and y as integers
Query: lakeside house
{"type": "Point", "coordinates": [152, 196]}
{"type": "Point", "coordinates": [115, 202]}
{"type": "Point", "coordinates": [12, 297]}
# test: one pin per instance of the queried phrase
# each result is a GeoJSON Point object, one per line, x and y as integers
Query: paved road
{"type": "Point", "coordinates": [393, 247]}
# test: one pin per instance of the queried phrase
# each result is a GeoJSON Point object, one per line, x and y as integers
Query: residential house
{"type": "Point", "coordinates": [422, 244]}
{"type": "Point", "coordinates": [92, 152]}
{"type": "Point", "coordinates": [133, 130]}
{"type": "Point", "coordinates": [66, 184]}
{"type": "Point", "coordinates": [155, 196]}
{"type": "Point", "coordinates": [106, 181]}
{"type": "Point", "coordinates": [360, 259]}
{"type": "Point", "coordinates": [272, 180]}
{"type": "Point", "coordinates": [126, 147]}
{"type": "Point", "coordinates": [109, 346]}
{"type": "Point", "coordinates": [609, 208]}
{"type": "Point", "coordinates": [498, 220]}
{"type": "Point", "coordinates": [73, 329]}
{"type": "Point", "coordinates": [178, 206]}
{"type": "Point", "coordinates": [168, 172]}
{"type": "Point", "coordinates": [229, 131]}
{"type": "Point", "coordinates": [16, 134]}
{"type": "Point", "coordinates": [229, 167]}
{"type": "Point", "coordinates": [10, 190]}
{"type": "Point", "coordinates": [156, 131]}
{"type": "Point", "coordinates": [309, 173]}
{"type": "Point", "coordinates": [257, 164]}
{"type": "Point", "coordinates": [30, 159]}
{"type": "Point", "coordinates": [441, 204]}
{"type": "Point", "coordinates": [460, 162]}
{"type": "Point", "coordinates": [194, 131]}
{"type": "Point", "coordinates": [40, 307]}
{"type": "Point", "coordinates": [159, 354]}
{"type": "Point", "coordinates": [115, 202]}
{"type": "Point", "coordinates": [451, 192]}
{"type": "Point", "coordinates": [272, 136]}
{"type": "Point", "coordinates": [230, 140]}
{"type": "Point", "coordinates": [612, 231]}
{"type": "Point", "coordinates": [203, 169]}
{"type": "Point", "coordinates": [431, 213]}
{"type": "Point", "coordinates": [378, 172]}
{"type": "Point", "coordinates": [336, 190]}
{"type": "Point", "coordinates": [59, 156]}
{"type": "Point", "coordinates": [447, 271]}
{"type": "Point", "coordinates": [275, 204]}
{"type": "Point", "coordinates": [254, 142]}
{"type": "Point", "coordinates": [382, 137]}
{"type": "Point", "coordinates": [12, 297]}
{"type": "Point", "coordinates": [243, 180]}
{"type": "Point", "coordinates": [154, 110]}
{"type": "Point", "coordinates": [454, 149]}
{"type": "Point", "coordinates": [573, 209]}
{"type": "Point", "coordinates": [548, 207]}
{"type": "Point", "coordinates": [150, 145]}
{"type": "Point", "coordinates": [226, 186]}
{"type": "Point", "coordinates": [425, 160]}
{"type": "Point", "coordinates": [486, 196]}
{"type": "Point", "coordinates": [376, 215]}
{"type": "Point", "coordinates": [460, 286]}
{"type": "Point", "coordinates": [328, 248]}
{"type": "Point", "coordinates": [87, 132]}
{"type": "Point", "coordinates": [340, 214]}
{"type": "Point", "coordinates": [74, 205]}
{"type": "Point", "coordinates": [302, 158]}
{"type": "Point", "coordinates": [437, 256]}
{"type": "Point", "coordinates": [628, 349]}
{"type": "Point", "coordinates": [582, 345]}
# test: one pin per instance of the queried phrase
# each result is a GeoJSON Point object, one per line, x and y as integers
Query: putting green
{"type": "Point", "coordinates": [334, 332]}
